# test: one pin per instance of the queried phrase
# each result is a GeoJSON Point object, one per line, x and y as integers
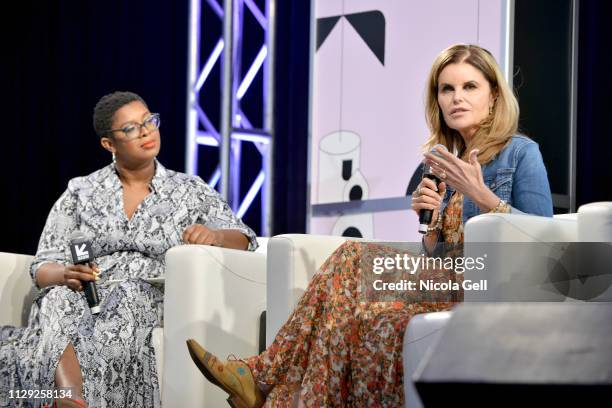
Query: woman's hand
{"type": "Point", "coordinates": [199, 234]}
{"type": "Point", "coordinates": [75, 274]}
{"type": "Point", "coordinates": [428, 197]}
{"type": "Point", "coordinates": [464, 177]}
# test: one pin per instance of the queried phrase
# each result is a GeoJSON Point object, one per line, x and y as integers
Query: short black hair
{"type": "Point", "coordinates": [107, 106]}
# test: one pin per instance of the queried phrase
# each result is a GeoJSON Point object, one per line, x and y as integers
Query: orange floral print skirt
{"type": "Point", "coordinates": [341, 349]}
{"type": "Point", "coordinates": [338, 349]}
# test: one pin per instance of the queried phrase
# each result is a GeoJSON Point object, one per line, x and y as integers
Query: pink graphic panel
{"type": "Point", "coordinates": [368, 99]}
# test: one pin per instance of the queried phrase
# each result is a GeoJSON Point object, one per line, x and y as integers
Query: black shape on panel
{"type": "Point", "coordinates": [324, 27]}
{"type": "Point", "coordinates": [370, 25]}
{"type": "Point", "coordinates": [356, 193]}
{"type": "Point", "coordinates": [415, 180]}
{"type": "Point", "coordinates": [352, 232]}
{"type": "Point", "coordinates": [347, 169]}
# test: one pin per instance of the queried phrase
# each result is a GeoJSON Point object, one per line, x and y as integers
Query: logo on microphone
{"type": "Point", "coordinates": [81, 252]}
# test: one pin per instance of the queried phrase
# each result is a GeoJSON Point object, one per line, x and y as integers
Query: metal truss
{"type": "Point", "coordinates": [235, 127]}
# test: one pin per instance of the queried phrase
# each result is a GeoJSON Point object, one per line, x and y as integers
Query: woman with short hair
{"type": "Point", "coordinates": [132, 210]}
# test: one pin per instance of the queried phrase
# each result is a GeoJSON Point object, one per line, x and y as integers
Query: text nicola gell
{"type": "Point", "coordinates": [430, 285]}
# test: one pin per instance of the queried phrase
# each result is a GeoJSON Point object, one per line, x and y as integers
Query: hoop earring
{"type": "Point", "coordinates": [490, 110]}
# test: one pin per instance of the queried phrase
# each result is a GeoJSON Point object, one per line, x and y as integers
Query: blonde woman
{"type": "Point", "coordinates": [337, 348]}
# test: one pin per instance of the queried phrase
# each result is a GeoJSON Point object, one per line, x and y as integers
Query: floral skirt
{"type": "Point", "coordinates": [339, 348]}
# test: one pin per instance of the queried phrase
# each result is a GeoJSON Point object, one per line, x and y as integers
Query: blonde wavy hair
{"type": "Point", "coordinates": [496, 129]}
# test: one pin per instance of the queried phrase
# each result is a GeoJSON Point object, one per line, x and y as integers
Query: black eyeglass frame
{"type": "Point", "coordinates": [139, 126]}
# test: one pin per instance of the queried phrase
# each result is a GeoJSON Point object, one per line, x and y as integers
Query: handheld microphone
{"type": "Point", "coordinates": [82, 254]}
{"type": "Point", "coordinates": [426, 215]}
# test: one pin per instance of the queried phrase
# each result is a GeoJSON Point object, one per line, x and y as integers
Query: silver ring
{"type": "Point", "coordinates": [443, 175]}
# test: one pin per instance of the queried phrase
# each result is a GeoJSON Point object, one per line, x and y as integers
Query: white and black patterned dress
{"type": "Point", "coordinates": [114, 349]}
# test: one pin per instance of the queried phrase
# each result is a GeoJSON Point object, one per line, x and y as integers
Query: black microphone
{"type": "Point", "coordinates": [82, 254]}
{"type": "Point", "coordinates": [426, 215]}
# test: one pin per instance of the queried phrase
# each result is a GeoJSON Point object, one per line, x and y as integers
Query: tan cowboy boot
{"type": "Point", "coordinates": [234, 377]}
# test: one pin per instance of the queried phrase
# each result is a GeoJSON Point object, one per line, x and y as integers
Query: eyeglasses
{"type": "Point", "coordinates": [132, 131]}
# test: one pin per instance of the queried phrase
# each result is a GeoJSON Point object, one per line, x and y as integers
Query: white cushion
{"type": "Point", "coordinates": [422, 332]}
{"type": "Point", "coordinates": [215, 296]}
{"type": "Point", "coordinates": [292, 261]}
{"type": "Point", "coordinates": [16, 289]}
{"type": "Point", "coordinates": [497, 227]}
{"type": "Point", "coordinates": [263, 245]}
{"type": "Point", "coordinates": [595, 222]}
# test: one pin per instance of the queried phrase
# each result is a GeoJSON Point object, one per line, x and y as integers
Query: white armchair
{"type": "Point", "coordinates": [16, 289]}
{"type": "Point", "coordinates": [294, 258]}
{"type": "Point", "coordinates": [424, 330]}
{"type": "Point", "coordinates": [214, 295]}
{"type": "Point", "coordinates": [592, 223]}
{"type": "Point", "coordinates": [17, 293]}
{"type": "Point", "coordinates": [292, 261]}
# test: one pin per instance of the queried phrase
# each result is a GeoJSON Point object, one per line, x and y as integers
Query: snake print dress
{"type": "Point", "coordinates": [114, 347]}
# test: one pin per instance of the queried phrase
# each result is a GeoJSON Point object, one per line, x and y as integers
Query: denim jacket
{"type": "Point", "coordinates": [516, 175]}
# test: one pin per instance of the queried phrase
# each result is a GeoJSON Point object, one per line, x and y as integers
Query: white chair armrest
{"type": "Point", "coordinates": [263, 245]}
{"type": "Point", "coordinates": [526, 273]}
{"type": "Point", "coordinates": [292, 260]}
{"type": "Point", "coordinates": [422, 332]}
{"type": "Point", "coordinates": [595, 222]}
{"type": "Point", "coordinates": [514, 271]}
{"type": "Point", "coordinates": [498, 227]}
{"type": "Point", "coordinates": [571, 216]}
{"type": "Point", "coordinates": [16, 289]}
{"type": "Point", "coordinates": [215, 296]}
